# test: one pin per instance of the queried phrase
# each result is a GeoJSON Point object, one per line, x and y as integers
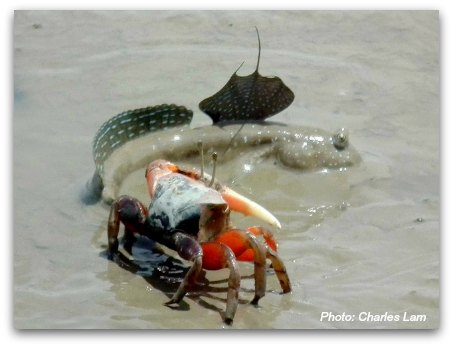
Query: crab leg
{"type": "Point", "coordinates": [113, 229]}
{"type": "Point", "coordinates": [271, 253]}
{"type": "Point", "coordinates": [244, 252]}
{"type": "Point", "coordinates": [280, 270]}
{"type": "Point", "coordinates": [239, 241]}
{"type": "Point", "coordinates": [210, 256]}
{"type": "Point", "coordinates": [218, 256]}
{"type": "Point", "coordinates": [132, 213]}
{"type": "Point", "coordinates": [268, 238]}
{"type": "Point", "coordinates": [188, 249]}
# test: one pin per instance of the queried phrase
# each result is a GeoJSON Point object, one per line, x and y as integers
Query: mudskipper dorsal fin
{"type": "Point", "coordinates": [248, 98]}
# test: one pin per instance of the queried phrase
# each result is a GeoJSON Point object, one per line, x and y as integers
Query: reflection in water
{"type": "Point", "coordinates": [165, 273]}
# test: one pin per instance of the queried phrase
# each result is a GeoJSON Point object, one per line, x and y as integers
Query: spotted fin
{"type": "Point", "coordinates": [131, 124]}
{"type": "Point", "coordinates": [249, 98]}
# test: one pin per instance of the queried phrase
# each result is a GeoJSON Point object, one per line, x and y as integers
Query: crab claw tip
{"type": "Point", "coordinates": [240, 203]}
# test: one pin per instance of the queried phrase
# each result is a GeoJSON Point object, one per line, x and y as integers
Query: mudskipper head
{"type": "Point", "coordinates": [318, 150]}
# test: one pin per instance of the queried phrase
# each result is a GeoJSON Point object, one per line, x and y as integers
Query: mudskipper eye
{"type": "Point", "coordinates": [340, 139]}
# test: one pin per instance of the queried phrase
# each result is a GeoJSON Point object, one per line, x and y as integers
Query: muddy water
{"type": "Point", "coordinates": [363, 241]}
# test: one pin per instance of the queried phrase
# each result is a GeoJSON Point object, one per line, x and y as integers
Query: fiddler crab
{"type": "Point", "coordinates": [190, 213]}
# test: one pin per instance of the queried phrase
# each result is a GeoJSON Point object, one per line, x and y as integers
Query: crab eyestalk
{"type": "Point", "coordinates": [200, 148]}
{"type": "Point", "coordinates": [214, 164]}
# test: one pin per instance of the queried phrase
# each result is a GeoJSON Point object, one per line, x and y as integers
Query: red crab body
{"type": "Point", "coordinates": [189, 216]}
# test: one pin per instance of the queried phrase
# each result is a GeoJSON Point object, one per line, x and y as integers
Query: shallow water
{"type": "Point", "coordinates": [361, 240]}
